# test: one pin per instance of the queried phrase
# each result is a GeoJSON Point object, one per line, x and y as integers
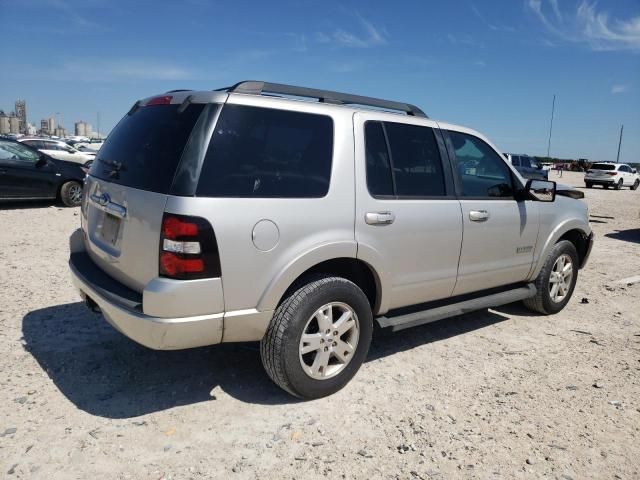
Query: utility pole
{"type": "Point", "coordinates": [553, 108]}
{"type": "Point", "coordinates": [98, 115]}
{"type": "Point", "coordinates": [619, 144]}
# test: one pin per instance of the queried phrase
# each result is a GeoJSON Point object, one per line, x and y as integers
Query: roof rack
{"type": "Point", "coordinates": [253, 87]}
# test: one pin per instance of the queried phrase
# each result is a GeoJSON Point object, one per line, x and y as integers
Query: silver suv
{"type": "Point", "coordinates": [301, 218]}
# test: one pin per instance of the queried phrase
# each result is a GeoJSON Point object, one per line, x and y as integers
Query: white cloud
{"type": "Point", "coordinates": [368, 36]}
{"type": "Point", "coordinates": [589, 25]}
{"type": "Point", "coordinates": [619, 89]}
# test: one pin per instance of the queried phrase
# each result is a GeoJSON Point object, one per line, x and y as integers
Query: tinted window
{"type": "Point", "coordinates": [379, 179]}
{"type": "Point", "coordinates": [603, 166]}
{"type": "Point", "coordinates": [144, 149]}
{"type": "Point", "coordinates": [480, 170]}
{"type": "Point", "coordinates": [16, 154]}
{"type": "Point", "coordinates": [515, 160]}
{"type": "Point", "coordinates": [263, 152]}
{"type": "Point", "coordinates": [624, 168]}
{"type": "Point", "coordinates": [417, 167]}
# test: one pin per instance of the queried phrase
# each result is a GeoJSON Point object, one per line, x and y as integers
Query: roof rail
{"type": "Point", "coordinates": [253, 87]}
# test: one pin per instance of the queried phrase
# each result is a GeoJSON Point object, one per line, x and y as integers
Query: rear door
{"type": "Point", "coordinates": [407, 216]}
{"type": "Point", "coordinates": [500, 233]}
{"type": "Point", "coordinates": [127, 188]}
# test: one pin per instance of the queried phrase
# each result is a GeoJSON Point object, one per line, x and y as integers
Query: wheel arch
{"type": "Point", "coordinates": [571, 230]}
{"type": "Point", "coordinates": [346, 266]}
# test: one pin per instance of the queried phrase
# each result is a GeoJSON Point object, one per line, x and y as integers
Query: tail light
{"type": "Point", "coordinates": [188, 248]}
{"type": "Point", "coordinates": [163, 100]}
{"type": "Point", "coordinates": [613, 174]}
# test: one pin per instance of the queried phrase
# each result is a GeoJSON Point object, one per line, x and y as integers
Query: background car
{"type": "Point", "coordinates": [528, 167]}
{"type": "Point", "coordinates": [58, 149]}
{"type": "Point", "coordinates": [609, 174]}
{"type": "Point", "coordinates": [28, 174]}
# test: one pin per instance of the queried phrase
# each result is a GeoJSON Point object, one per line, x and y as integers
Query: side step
{"type": "Point", "coordinates": [400, 322]}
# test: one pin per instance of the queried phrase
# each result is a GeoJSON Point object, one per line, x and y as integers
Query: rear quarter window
{"type": "Point", "coordinates": [263, 152]}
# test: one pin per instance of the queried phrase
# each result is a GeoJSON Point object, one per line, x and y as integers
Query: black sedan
{"type": "Point", "coordinates": [28, 174]}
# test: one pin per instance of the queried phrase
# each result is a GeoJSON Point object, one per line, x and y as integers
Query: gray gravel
{"type": "Point", "coordinates": [494, 394]}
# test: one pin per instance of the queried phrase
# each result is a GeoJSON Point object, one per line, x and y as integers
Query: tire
{"type": "Point", "coordinates": [71, 193]}
{"type": "Point", "coordinates": [635, 185]}
{"type": "Point", "coordinates": [606, 186]}
{"type": "Point", "coordinates": [543, 301]}
{"type": "Point", "coordinates": [619, 185]}
{"type": "Point", "coordinates": [589, 184]}
{"type": "Point", "coordinates": [281, 349]}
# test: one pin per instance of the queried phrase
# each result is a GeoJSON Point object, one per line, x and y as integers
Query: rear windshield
{"type": "Point", "coordinates": [263, 152]}
{"type": "Point", "coordinates": [144, 149]}
{"type": "Point", "coordinates": [603, 166]}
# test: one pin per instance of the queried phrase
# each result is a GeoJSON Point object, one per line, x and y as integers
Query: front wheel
{"type": "Point", "coordinates": [635, 185]}
{"type": "Point", "coordinates": [71, 194]}
{"type": "Point", "coordinates": [556, 281]}
{"type": "Point", "coordinates": [619, 184]}
{"type": "Point", "coordinates": [318, 337]}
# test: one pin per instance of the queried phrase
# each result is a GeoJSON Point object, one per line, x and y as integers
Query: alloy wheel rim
{"type": "Point", "coordinates": [75, 193]}
{"type": "Point", "coordinates": [329, 340]}
{"type": "Point", "coordinates": [560, 278]}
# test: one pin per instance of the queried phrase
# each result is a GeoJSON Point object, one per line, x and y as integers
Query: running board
{"type": "Point", "coordinates": [401, 322]}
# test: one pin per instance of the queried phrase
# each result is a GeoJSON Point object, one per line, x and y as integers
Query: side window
{"type": "Point", "coordinates": [379, 179]}
{"type": "Point", "coordinates": [417, 167]}
{"type": "Point", "coordinates": [624, 168]}
{"type": "Point", "coordinates": [480, 170]}
{"type": "Point", "coordinates": [515, 160]}
{"type": "Point", "coordinates": [16, 154]}
{"type": "Point", "coordinates": [264, 152]}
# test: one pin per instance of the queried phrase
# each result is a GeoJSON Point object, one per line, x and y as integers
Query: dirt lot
{"type": "Point", "coordinates": [495, 394]}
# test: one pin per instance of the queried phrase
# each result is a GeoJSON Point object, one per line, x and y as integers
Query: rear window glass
{"type": "Point", "coordinates": [144, 149]}
{"type": "Point", "coordinates": [603, 166]}
{"type": "Point", "coordinates": [263, 152]}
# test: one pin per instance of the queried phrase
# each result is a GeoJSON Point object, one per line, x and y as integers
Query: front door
{"type": "Point", "coordinates": [23, 174]}
{"type": "Point", "coordinates": [500, 233]}
{"type": "Point", "coordinates": [408, 221]}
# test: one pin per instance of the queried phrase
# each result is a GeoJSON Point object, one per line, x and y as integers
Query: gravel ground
{"type": "Point", "coordinates": [494, 394]}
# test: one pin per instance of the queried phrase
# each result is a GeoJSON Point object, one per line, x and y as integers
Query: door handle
{"type": "Point", "coordinates": [379, 218]}
{"type": "Point", "coordinates": [478, 215]}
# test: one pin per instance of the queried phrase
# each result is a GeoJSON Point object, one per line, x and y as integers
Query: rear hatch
{"type": "Point", "coordinates": [128, 184]}
{"type": "Point", "coordinates": [602, 170]}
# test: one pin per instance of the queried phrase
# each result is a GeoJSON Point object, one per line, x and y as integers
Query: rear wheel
{"type": "Point", "coordinates": [71, 193]}
{"type": "Point", "coordinates": [318, 337]}
{"type": "Point", "coordinates": [635, 185]}
{"type": "Point", "coordinates": [619, 184]}
{"type": "Point", "coordinates": [556, 281]}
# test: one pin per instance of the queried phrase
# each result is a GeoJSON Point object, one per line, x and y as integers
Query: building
{"type": "Point", "coordinates": [31, 129]}
{"type": "Point", "coordinates": [21, 114]}
{"type": "Point", "coordinates": [60, 132]}
{"type": "Point", "coordinates": [4, 123]}
{"type": "Point", "coordinates": [14, 123]}
{"type": "Point", "coordinates": [47, 126]}
{"type": "Point", "coordinates": [83, 129]}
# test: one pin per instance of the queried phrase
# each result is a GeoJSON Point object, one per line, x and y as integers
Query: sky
{"type": "Point", "coordinates": [492, 66]}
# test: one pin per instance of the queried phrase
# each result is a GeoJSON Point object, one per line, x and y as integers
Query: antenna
{"type": "Point", "coordinates": [553, 108]}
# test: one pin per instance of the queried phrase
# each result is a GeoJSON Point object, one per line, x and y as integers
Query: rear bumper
{"type": "Point", "coordinates": [600, 181]}
{"type": "Point", "coordinates": [122, 308]}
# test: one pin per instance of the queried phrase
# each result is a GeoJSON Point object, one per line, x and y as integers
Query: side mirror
{"type": "Point", "coordinates": [633, 170]}
{"type": "Point", "coordinates": [541, 190]}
